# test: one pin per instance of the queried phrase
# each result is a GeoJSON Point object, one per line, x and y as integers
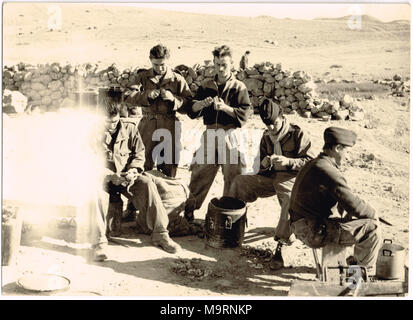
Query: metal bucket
{"type": "Point", "coordinates": [390, 261]}
{"type": "Point", "coordinates": [225, 222]}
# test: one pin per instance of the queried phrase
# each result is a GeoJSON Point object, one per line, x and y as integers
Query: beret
{"type": "Point", "coordinates": [336, 135]}
{"type": "Point", "coordinates": [269, 111]}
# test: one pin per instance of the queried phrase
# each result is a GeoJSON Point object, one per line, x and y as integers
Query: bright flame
{"type": "Point", "coordinates": [50, 159]}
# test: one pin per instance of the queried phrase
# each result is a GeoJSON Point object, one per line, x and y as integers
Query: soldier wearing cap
{"type": "Point", "coordinates": [319, 187]}
{"type": "Point", "coordinates": [284, 149]}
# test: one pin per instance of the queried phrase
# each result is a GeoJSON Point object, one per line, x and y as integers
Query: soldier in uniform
{"type": "Point", "coordinates": [163, 93]}
{"type": "Point", "coordinates": [243, 64]}
{"type": "Point", "coordinates": [125, 157]}
{"type": "Point", "coordinates": [319, 187]}
{"type": "Point", "coordinates": [284, 150]}
{"type": "Point", "coordinates": [224, 105]}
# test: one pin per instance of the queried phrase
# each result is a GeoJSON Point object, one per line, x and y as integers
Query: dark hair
{"type": "Point", "coordinates": [222, 51]}
{"type": "Point", "coordinates": [247, 52]}
{"type": "Point", "coordinates": [159, 52]}
{"type": "Point", "coordinates": [112, 101]}
{"type": "Point", "coordinates": [111, 108]}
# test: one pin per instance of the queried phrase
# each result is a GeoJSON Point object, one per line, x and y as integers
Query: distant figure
{"type": "Point", "coordinates": [243, 64]}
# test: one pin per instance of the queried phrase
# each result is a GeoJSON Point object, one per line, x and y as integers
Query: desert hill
{"type": "Point", "coordinates": [107, 33]}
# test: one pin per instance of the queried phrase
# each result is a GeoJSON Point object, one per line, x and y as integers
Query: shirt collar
{"type": "Point", "coordinates": [121, 134]}
{"type": "Point", "coordinates": [213, 83]}
{"type": "Point", "coordinates": [325, 156]}
{"type": "Point", "coordinates": [168, 76]}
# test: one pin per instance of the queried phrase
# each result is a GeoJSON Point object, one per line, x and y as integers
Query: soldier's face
{"type": "Point", "coordinates": [341, 154]}
{"type": "Point", "coordinates": [159, 66]}
{"type": "Point", "coordinates": [223, 66]}
{"type": "Point", "coordinates": [112, 123]}
{"type": "Point", "coordinates": [276, 127]}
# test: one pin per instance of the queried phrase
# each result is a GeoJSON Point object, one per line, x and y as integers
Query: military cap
{"type": "Point", "coordinates": [336, 135]}
{"type": "Point", "coordinates": [269, 111]}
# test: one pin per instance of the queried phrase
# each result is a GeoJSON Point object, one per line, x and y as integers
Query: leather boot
{"type": "Point", "coordinates": [167, 244]}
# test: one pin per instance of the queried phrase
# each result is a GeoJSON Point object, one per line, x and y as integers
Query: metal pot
{"type": "Point", "coordinates": [390, 261]}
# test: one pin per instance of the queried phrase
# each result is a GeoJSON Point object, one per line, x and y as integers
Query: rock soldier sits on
{"type": "Point", "coordinates": [125, 155]}
{"type": "Point", "coordinates": [320, 186]}
{"type": "Point", "coordinates": [284, 150]}
{"type": "Point", "coordinates": [224, 104]}
{"type": "Point", "coordinates": [163, 92]}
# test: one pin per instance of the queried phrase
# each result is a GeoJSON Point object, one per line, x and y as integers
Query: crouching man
{"type": "Point", "coordinates": [125, 158]}
{"type": "Point", "coordinates": [284, 149]}
{"type": "Point", "coordinates": [319, 186]}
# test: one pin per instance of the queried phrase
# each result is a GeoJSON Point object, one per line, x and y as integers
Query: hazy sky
{"type": "Point", "coordinates": [384, 12]}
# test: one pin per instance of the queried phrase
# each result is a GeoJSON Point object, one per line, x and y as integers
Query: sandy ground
{"type": "Point", "coordinates": [125, 36]}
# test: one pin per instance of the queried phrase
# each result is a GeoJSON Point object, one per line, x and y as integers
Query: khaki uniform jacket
{"type": "Point", "coordinates": [128, 150]}
{"type": "Point", "coordinates": [171, 81]}
{"type": "Point", "coordinates": [296, 145]}
{"type": "Point", "coordinates": [318, 187]}
{"type": "Point", "coordinates": [234, 94]}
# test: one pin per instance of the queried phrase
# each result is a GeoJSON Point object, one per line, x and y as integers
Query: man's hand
{"type": "Point", "coordinates": [279, 162]}
{"type": "Point", "coordinates": [131, 174]}
{"type": "Point", "coordinates": [220, 105]}
{"type": "Point", "coordinates": [153, 94]}
{"type": "Point", "coordinates": [167, 95]}
{"type": "Point", "coordinates": [199, 105]}
{"type": "Point", "coordinates": [266, 163]}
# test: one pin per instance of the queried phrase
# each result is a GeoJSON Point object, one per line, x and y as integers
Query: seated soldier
{"type": "Point", "coordinates": [125, 157]}
{"type": "Point", "coordinates": [284, 149]}
{"type": "Point", "coordinates": [319, 186]}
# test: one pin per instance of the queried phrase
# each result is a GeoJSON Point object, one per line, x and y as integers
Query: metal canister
{"type": "Point", "coordinates": [225, 222]}
{"type": "Point", "coordinates": [390, 261]}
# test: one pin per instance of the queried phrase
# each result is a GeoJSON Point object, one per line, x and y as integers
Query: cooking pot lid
{"type": "Point", "coordinates": [43, 282]}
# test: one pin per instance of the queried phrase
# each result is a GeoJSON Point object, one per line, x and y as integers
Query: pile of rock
{"type": "Point", "coordinates": [52, 86]}
{"type": "Point", "coordinates": [14, 101]}
{"type": "Point", "coordinates": [398, 87]}
{"type": "Point", "coordinates": [293, 90]}
{"type": "Point", "coordinates": [345, 109]}
{"type": "Point", "coordinates": [197, 74]}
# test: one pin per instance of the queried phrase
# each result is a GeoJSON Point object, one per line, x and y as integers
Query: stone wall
{"type": "Point", "coordinates": [52, 86]}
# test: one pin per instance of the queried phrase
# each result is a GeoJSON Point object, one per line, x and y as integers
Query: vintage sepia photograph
{"type": "Point", "coordinates": [188, 150]}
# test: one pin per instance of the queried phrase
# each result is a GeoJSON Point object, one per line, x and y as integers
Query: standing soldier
{"type": "Point", "coordinates": [284, 150]}
{"type": "Point", "coordinates": [319, 186]}
{"type": "Point", "coordinates": [243, 64]}
{"type": "Point", "coordinates": [224, 104]}
{"type": "Point", "coordinates": [163, 92]}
